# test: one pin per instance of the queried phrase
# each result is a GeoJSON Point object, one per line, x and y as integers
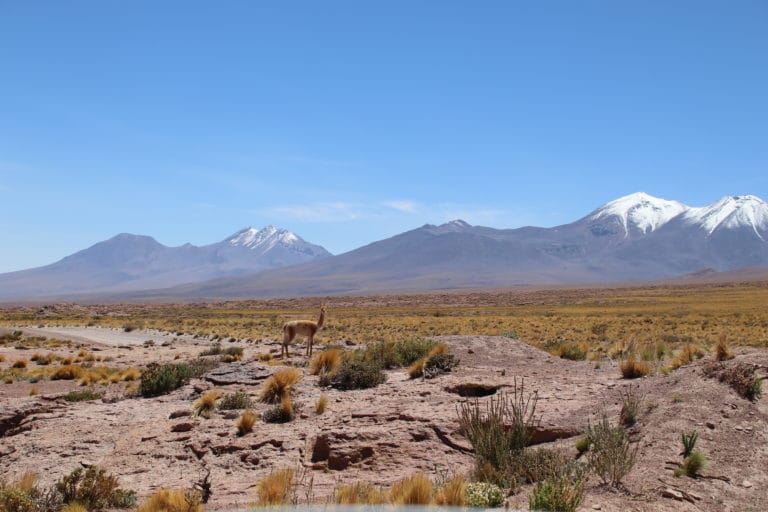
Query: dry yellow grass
{"type": "Point", "coordinates": [34, 390]}
{"type": "Point", "coordinates": [321, 404]}
{"type": "Point", "coordinates": [26, 482]}
{"type": "Point", "coordinates": [279, 385]}
{"type": "Point", "coordinates": [74, 507]}
{"type": "Point", "coordinates": [2, 358]}
{"type": "Point", "coordinates": [722, 351]}
{"type": "Point", "coordinates": [326, 361]}
{"type": "Point", "coordinates": [245, 422]}
{"type": "Point", "coordinates": [172, 500]}
{"type": "Point", "coordinates": [452, 493]}
{"type": "Point", "coordinates": [206, 404]}
{"type": "Point", "coordinates": [20, 363]}
{"type": "Point", "coordinates": [632, 368]}
{"type": "Point", "coordinates": [417, 368]}
{"type": "Point", "coordinates": [359, 493]}
{"type": "Point", "coordinates": [440, 348]}
{"type": "Point", "coordinates": [685, 355]}
{"type": "Point", "coordinates": [413, 490]}
{"type": "Point", "coordinates": [276, 488]}
{"type": "Point", "coordinates": [131, 374]}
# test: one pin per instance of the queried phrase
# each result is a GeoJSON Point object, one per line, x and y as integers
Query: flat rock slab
{"type": "Point", "coordinates": [248, 373]}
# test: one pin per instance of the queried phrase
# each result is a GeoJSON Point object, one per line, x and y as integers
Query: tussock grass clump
{"type": "Point", "coordinates": [327, 361]}
{"type": "Point", "coordinates": [245, 422]}
{"type": "Point", "coordinates": [416, 369]}
{"type": "Point", "coordinates": [693, 465]}
{"type": "Point", "coordinates": [130, 374]}
{"type": "Point", "coordinates": [572, 351]}
{"type": "Point", "coordinates": [452, 493]}
{"type": "Point", "coordinates": [276, 488]}
{"type": "Point", "coordinates": [82, 396]}
{"type": "Point", "coordinates": [359, 493]}
{"type": "Point", "coordinates": [685, 355]}
{"type": "Point", "coordinates": [484, 495]}
{"type": "Point", "coordinates": [172, 500]}
{"type": "Point", "coordinates": [611, 455]}
{"type": "Point", "coordinates": [279, 385]}
{"type": "Point", "coordinates": [2, 358]}
{"type": "Point", "coordinates": [722, 351]}
{"type": "Point", "coordinates": [321, 404]}
{"type": "Point", "coordinates": [500, 430]}
{"type": "Point", "coordinates": [19, 363]}
{"type": "Point", "coordinates": [236, 400]}
{"type": "Point", "coordinates": [413, 490]}
{"type": "Point", "coordinates": [68, 372]}
{"type": "Point", "coordinates": [631, 368]}
{"type": "Point", "coordinates": [560, 493]}
{"type": "Point", "coordinates": [206, 404]}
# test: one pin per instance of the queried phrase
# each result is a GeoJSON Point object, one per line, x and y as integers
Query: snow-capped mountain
{"type": "Point", "coordinates": [638, 211]}
{"type": "Point", "coordinates": [731, 212]}
{"type": "Point", "coordinates": [131, 262]}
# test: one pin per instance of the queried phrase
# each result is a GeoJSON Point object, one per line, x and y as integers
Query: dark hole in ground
{"type": "Point", "coordinates": [473, 390]}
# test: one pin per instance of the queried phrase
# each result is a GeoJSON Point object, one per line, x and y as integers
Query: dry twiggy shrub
{"type": "Point", "coordinates": [276, 488]}
{"type": "Point", "coordinates": [452, 493]}
{"type": "Point", "coordinates": [279, 385]}
{"type": "Point", "coordinates": [206, 404]}
{"type": "Point", "coordinates": [245, 422]}
{"type": "Point", "coordinates": [359, 493]}
{"type": "Point", "coordinates": [327, 361]}
{"type": "Point", "coordinates": [321, 404]}
{"type": "Point", "coordinates": [172, 500]}
{"type": "Point", "coordinates": [413, 490]}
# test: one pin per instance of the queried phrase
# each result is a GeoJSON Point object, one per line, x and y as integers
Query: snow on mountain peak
{"type": "Point", "coordinates": [732, 212]}
{"type": "Point", "coordinates": [641, 210]}
{"type": "Point", "coordinates": [264, 238]}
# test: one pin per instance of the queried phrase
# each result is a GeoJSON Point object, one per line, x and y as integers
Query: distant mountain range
{"type": "Point", "coordinates": [636, 237]}
{"type": "Point", "coordinates": [135, 262]}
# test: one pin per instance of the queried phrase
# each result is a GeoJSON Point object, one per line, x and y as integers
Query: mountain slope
{"type": "Point", "coordinates": [133, 262]}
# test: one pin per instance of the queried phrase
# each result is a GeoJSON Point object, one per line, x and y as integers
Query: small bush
{"type": "Point", "coordinates": [438, 364]}
{"type": "Point", "coordinates": [95, 489]}
{"type": "Point", "coordinates": [82, 396]}
{"type": "Point", "coordinates": [689, 442]}
{"type": "Point", "coordinates": [561, 493]}
{"type": "Point", "coordinates": [693, 465]}
{"type": "Point", "coordinates": [741, 377]}
{"type": "Point", "coordinates": [582, 444]}
{"type": "Point", "coordinates": [327, 361]}
{"type": "Point", "coordinates": [572, 351]}
{"type": "Point", "coordinates": [397, 354]}
{"type": "Point", "coordinates": [321, 404]}
{"type": "Point", "coordinates": [631, 368]}
{"type": "Point", "coordinates": [611, 456]}
{"type": "Point", "coordinates": [280, 413]}
{"type": "Point", "coordinates": [484, 495]}
{"type": "Point", "coordinates": [235, 401]}
{"type": "Point", "coordinates": [19, 363]}
{"type": "Point", "coordinates": [535, 465]}
{"type": "Point", "coordinates": [24, 495]}
{"type": "Point", "coordinates": [452, 493]}
{"type": "Point", "coordinates": [245, 422]}
{"type": "Point", "coordinates": [161, 379]}
{"type": "Point", "coordinates": [276, 488]}
{"type": "Point", "coordinates": [172, 500]}
{"type": "Point", "coordinates": [412, 490]}
{"type": "Point", "coordinates": [206, 404]}
{"type": "Point", "coordinates": [722, 352]}
{"type": "Point", "coordinates": [279, 385]}
{"type": "Point", "coordinates": [630, 405]}
{"type": "Point", "coordinates": [360, 493]}
{"type": "Point", "coordinates": [355, 372]}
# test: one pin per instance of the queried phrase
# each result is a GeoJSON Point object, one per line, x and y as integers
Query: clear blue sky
{"type": "Point", "coordinates": [348, 122]}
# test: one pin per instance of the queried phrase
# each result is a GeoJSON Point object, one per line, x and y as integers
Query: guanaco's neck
{"type": "Point", "coordinates": [321, 319]}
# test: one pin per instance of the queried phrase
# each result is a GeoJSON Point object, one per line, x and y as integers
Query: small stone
{"type": "Point", "coordinates": [710, 425]}
{"type": "Point", "coordinates": [181, 413]}
{"type": "Point", "coordinates": [596, 507]}
{"type": "Point", "coordinates": [183, 427]}
{"type": "Point", "coordinates": [746, 484]}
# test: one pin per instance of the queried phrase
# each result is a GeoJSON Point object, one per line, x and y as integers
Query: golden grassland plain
{"type": "Point", "coordinates": [592, 318]}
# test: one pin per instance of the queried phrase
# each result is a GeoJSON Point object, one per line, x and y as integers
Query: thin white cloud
{"type": "Point", "coordinates": [402, 206]}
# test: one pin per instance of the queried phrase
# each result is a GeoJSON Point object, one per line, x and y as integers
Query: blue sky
{"type": "Point", "coordinates": [348, 122]}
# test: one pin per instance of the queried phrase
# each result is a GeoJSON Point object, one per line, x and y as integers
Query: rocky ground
{"type": "Point", "coordinates": [383, 434]}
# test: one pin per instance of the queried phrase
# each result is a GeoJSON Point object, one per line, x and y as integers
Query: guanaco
{"type": "Point", "coordinates": [306, 328]}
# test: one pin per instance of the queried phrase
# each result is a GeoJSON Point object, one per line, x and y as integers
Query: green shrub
{"type": "Point", "coordinates": [539, 464]}
{"type": "Point", "coordinates": [561, 493]}
{"type": "Point", "coordinates": [355, 372]}
{"type": "Point", "coordinates": [689, 442]}
{"type": "Point", "coordinates": [484, 495]}
{"type": "Point", "coordinates": [236, 400]}
{"type": "Point", "coordinates": [438, 364]}
{"type": "Point", "coordinates": [159, 379]}
{"type": "Point", "coordinates": [82, 396]}
{"type": "Point", "coordinates": [94, 489]}
{"type": "Point", "coordinates": [631, 399]}
{"type": "Point", "coordinates": [582, 444]}
{"type": "Point", "coordinates": [396, 354]}
{"type": "Point", "coordinates": [692, 465]}
{"type": "Point", "coordinates": [611, 456]}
